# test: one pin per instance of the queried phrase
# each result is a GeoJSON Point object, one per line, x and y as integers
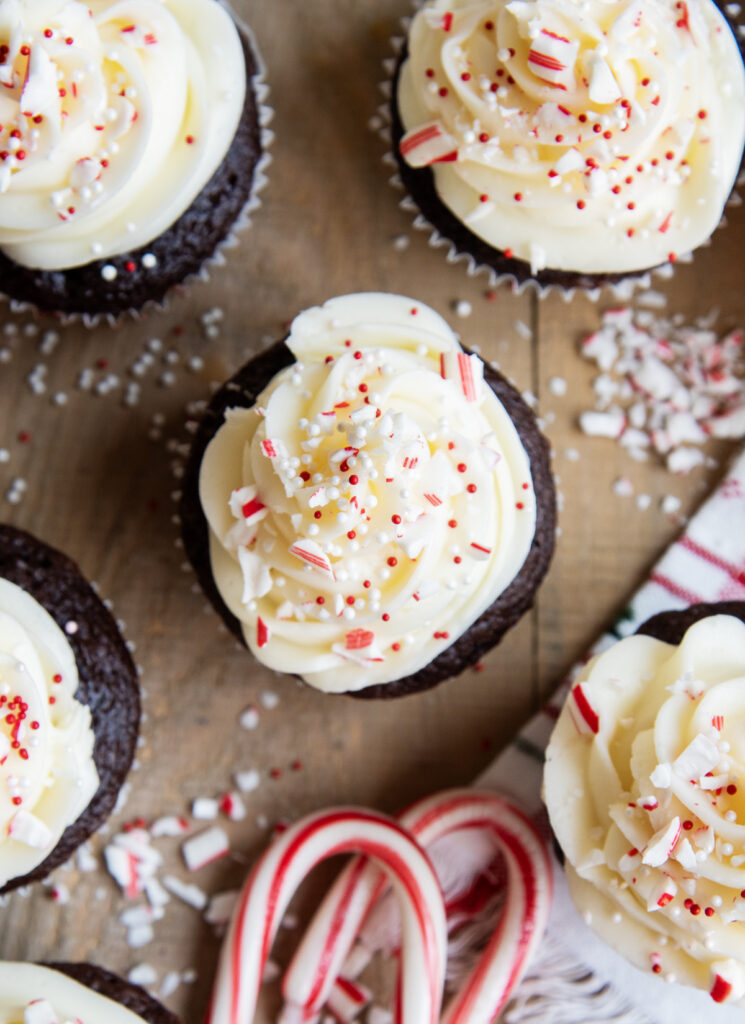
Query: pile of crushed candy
{"type": "Point", "coordinates": [665, 387]}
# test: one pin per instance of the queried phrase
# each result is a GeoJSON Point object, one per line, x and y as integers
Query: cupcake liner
{"type": "Point", "coordinates": [621, 291]}
{"type": "Point", "coordinates": [265, 113]}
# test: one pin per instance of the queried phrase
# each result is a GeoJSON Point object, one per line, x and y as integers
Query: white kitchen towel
{"type": "Point", "coordinates": [577, 979]}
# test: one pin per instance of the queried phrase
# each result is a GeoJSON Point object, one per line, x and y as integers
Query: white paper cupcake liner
{"type": "Point", "coordinates": [217, 258]}
{"type": "Point", "coordinates": [620, 291]}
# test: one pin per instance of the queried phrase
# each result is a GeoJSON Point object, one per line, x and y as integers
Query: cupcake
{"type": "Point", "coordinates": [35, 994]}
{"type": "Point", "coordinates": [129, 145]}
{"type": "Point", "coordinates": [572, 143]}
{"type": "Point", "coordinates": [367, 505]}
{"type": "Point", "coordinates": [643, 783]}
{"type": "Point", "coordinates": [70, 709]}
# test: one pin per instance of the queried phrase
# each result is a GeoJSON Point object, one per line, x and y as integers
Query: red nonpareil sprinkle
{"type": "Point", "coordinates": [351, 534]}
{"type": "Point", "coordinates": [645, 82]}
{"type": "Point", "coordinates": [21, 154]}
{"type": "Point", "coordinates": [297, 766]}
{"type": "Point", "coordinates": [581, 204]}
{"type": "Point", "coordinates": [413, 311]}
{"type": "Point", "coordinates": [657, 968]}
{"type": "Point", "coordinates": [367, 584]}
{"type": "Point", "coordinates": [48, 33]}
{"type": "Point", "coordinates": [396, 519]}
{"type": "Point", "coordinates": [392, 561]}
{"type": "Point", "coordinates": [672, 257]}
{"type": "Point", "coordinates": [130, 266]}
{"type": "Point", "coordinates": [358, 355]}
{"type": "Point", "coordinates": [276, 773]}
{"type": "Point", "coordinates": [385, 617]}
{"type": "Point", "coordinates": [363, 387]}
{"type": "Point", "coordinates": [317, 514]}
{"type": "Point", "coordinates": [16, 801]}
{"type": "Point", "coordinates": [24, 437]}
{"type": "Point", "coordinates": [457, 559]}
{"type": "Point", "coordinates": [69, 40]}
{"type": "Point", "coordinates": [484, 137]}
{"type": "Point", "coordinates": [396, 647]}
{"type": "Point", "coordinates": [350, 600]}
{"type": "Point", "coordinates": [732, 789]}
{"type": "Point", "coordinates": [320, 599]}
{"type": "Point", "coordinates": [462, 467]}
{"type": "Point", "coordinates": [472, 488]}
{"type": "Point", "coordinates": [430, 72]}
{"type": "Point", "coordinates": [519, 504]}
{"type": "Point", "coordinates": [669, 155]}
{"type": "Point", "coordinates": [305, 475]}
{"type": "Point", "coordinates": [443, 90]}
{"type": "Point", "coordinates": [25, 50]}
{"type": "Point", "coordinates": [354, 479]}
{"type": "Point", "coordinates": [559, 138]}
{"type": "Point", "coordinates": [616, 189]}
{"type": "Point", "coordinates": [466, 76]}
{"type": "Point", "coordinates": [329, 359]}
{"type": "Point", "coordinates": [490, 296]}
{"type": "Point", "coordinates": [597, 128]}
{"type": "Point", "coordinates": [631, 232]}
{"type": "Point", "coordinates": [518, 197]}
{"type": "Point", "coordinates": [631, 206]}
{"type": "Point", "coordinates": [582, 119]}
{"type": "Point", "coordinates": [702, 115]}
{"type": "Point", "coordinates": [508, 253]}
{"type": "Point", "coordinates": [56, 678]}
{"type": "Point", "coordinates": [709, 911]}
{"type": "Point", "coordinates": [452, 523]}
{"type": "Point", "coordinates": [687, 825]}
{"type": "Point", "coordinates": [489, 25]}
{"type": "Point", "coordinates": [190, 140]}
{"type": "Point", "coordinates": [484, 198]}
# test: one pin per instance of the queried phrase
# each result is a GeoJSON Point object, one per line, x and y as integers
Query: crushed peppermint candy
{"type": "Point", "coordinates": [665, 388]}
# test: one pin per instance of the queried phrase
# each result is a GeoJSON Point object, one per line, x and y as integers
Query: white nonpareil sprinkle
{"type": "Point", "coordinates": [143, 974]}
{"type": "Point", "coordinates": [249, 718]}
{"type": "Point", "coordinates": [247, 781]}
{"type": "Point", "coordinates": [557, 386]}
{"type": "Point", "coordinates": [109, 272]}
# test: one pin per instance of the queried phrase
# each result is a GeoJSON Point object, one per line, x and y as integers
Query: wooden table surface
{"type": "Point", "coordinates": [100, 477]}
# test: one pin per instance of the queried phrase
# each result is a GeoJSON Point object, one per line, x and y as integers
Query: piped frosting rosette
{"type": "Point", "coordinates": [31, 994]}
{"type": "Point", "coordinates": [114, 116]}
{"type": "Point", "coordinates": [597, 137]}
{"type": "Point", "coordinates": [373, 503]}
{"type": "Point", "coordinates": [47, 773]}
{"type": "Point", "coordinates": [644, 784]}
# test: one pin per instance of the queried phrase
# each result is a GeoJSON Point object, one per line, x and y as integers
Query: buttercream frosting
{"type": "Point", "coordinates": [31, 994]}
{"type": "Point", "coordinates": [581, 135]}
{"type": "Point", "coordinates": [114, 116]}
{"type": "Point", "coordinates": [47, 773]}
{"type": "Point", "coordinates": [644, 783]}
{"type": "Point", "coordinates": [373, 503]}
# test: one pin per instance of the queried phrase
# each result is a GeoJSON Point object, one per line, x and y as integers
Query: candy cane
{"type": "Point", "coordinates": [328, 939]}
{"type": "Point", "coordinates": [281, 870]}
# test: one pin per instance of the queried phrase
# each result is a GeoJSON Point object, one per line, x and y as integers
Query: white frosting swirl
{"type": "Point", "coordinates": [367, 510]}
{"type": "Point", "coordinates": [583, 135]}
{"type": "Point", "coordinates": [114, 114]}
{"type": "Point", "coordinates": [644, 783]}
{"type": "Point", "coordinates": [30, 994]}
{"type": "Point", "coordinates": [47, 774]}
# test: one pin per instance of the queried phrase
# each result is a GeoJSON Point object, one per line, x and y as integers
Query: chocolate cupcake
{"type": "Point", "coordinates": [71, 709]}
{"type": "Point", "coordinates": [129, 148]}
{"type": "Point", "coordinates": [367, 505]}
{"type": "Point", "coordinates": [642, 782]}
{"type": "Point", "coordinates": [569, 144]}
{"type": "Point", "coordinates": [37, 994]}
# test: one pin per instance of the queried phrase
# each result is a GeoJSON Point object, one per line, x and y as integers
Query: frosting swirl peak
{"type": "Point", "coordinates": [113, 118]}
{"type": "Point", "coordinates": [47, 774]}
{"type": "Point", "coordinates": [644, 786]}
{"type": "Point", "coordinates": [373, 503]}
{"type": "Point", "coordinates": [585, 135]}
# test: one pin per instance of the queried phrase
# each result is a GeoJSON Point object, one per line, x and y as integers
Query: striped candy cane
{"type": "Point", "coordinates": [281, 870]}
{"type": "Point", "coordinates": [330, 936]}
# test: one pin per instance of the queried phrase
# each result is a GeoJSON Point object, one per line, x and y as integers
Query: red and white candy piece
{"type": "Point", "coordinates": [314, 555]}
{"type": "Point", "coordinates": [281, 870]}
{"type": "Point", "coordinates": [327, 941]}
{"type": "Point", "coordinates": [552, 58]}
{"type": "Point", "coordinates": [582, 713]}
{"type": "Point", "coordinates": [428, 144]}
{"type": "Point", "coordinates": [466, 370]}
